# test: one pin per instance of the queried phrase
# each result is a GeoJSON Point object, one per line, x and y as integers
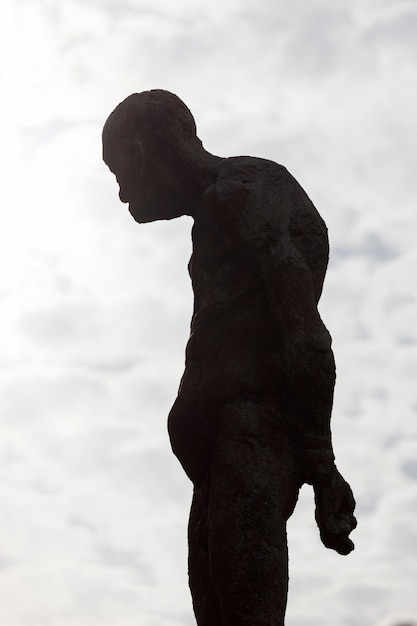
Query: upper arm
{"type": "Point", "coordinates": [280, 234]}
{"type": "Point", "coordinates": [289, 284]}
{"type": "Point", "coordinates": [289, 243]}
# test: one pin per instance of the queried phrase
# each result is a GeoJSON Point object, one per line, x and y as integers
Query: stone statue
{"type": "Point", "coordinates": [251, 422]}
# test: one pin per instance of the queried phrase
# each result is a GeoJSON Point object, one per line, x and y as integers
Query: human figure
{"type": "Point", "coordinates": [251, 422]}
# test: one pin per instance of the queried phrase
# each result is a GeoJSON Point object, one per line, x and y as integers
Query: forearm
{"type": "Point", "coordinates": [310, 396]}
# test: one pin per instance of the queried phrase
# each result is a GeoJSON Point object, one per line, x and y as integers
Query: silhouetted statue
{"type": "Point", "coordinates": [251, 422]}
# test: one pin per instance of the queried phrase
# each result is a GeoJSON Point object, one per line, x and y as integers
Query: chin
{"type": "Point", "coordinates": [140, 216]}
{"type": "Point", "coordinates": [143, 215]}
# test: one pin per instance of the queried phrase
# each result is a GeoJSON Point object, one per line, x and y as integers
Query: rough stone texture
{"type": "Point", "coordinates": [251, 422]}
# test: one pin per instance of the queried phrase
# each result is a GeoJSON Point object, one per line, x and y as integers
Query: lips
{"type": "Point", "coordinates": [123, 196]}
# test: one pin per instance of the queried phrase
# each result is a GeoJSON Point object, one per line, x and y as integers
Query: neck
{"type": "Point", "coordinates": [206, 169]}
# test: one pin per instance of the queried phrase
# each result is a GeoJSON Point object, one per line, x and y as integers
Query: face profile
{"type": "Point", "coordinates": [144, 195]}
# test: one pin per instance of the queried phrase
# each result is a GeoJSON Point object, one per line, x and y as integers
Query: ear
{"type": "Point", "coordinates": [138, 157]}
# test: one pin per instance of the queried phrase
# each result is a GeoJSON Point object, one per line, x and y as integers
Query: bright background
{"type": "Point", "coordinates": [94, 309]}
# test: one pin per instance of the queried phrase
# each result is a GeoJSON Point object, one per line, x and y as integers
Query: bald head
{"type": "Point", "coordinates": [157, 113]}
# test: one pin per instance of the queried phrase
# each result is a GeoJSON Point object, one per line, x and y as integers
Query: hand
{"type": "Point", "coordinates": [334, 511]}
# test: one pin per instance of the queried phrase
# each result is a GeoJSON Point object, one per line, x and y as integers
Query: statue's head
{"type": "Point", "coordinates": [150, 144]}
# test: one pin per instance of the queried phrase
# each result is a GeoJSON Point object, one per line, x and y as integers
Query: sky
{"type": "Point", "coordinates": [95, 309]}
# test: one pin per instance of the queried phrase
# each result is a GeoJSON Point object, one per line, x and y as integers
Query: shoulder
{"type": "Point", "coordinates": [250, 174]}
{"type": "Point", "coordinates": [263, 200]}
{"type": "Point", "coordinates": [260, 193]}
{"type": "Point", "coordinates": [248, 188]}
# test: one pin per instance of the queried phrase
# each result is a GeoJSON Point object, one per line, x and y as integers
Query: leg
{"type": "Point", "coordinates": [253, 491]}
{"type": "Point", "coordinates": [205, 603]}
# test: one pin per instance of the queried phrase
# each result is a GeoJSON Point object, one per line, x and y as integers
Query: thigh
{"type": "Point", "coordinates": [253, 491]}
{"type": "Point", "coordinates": [253, 458]}
{"type": "Point", "coordinates": [205, 602]}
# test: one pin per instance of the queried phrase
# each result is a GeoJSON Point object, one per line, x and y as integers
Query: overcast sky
{"type": "Point", "coordinates": [95, 309]}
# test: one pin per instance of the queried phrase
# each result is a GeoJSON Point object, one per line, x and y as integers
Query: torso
{"type": "Point", "coordinates": [235, 346]}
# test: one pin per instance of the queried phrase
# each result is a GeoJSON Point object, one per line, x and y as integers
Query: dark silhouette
{"type": "Point", "coordinates": [251, 422]}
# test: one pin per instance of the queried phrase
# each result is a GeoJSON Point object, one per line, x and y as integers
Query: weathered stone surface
{"type": "Point", "coordinates": [251, 422]}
